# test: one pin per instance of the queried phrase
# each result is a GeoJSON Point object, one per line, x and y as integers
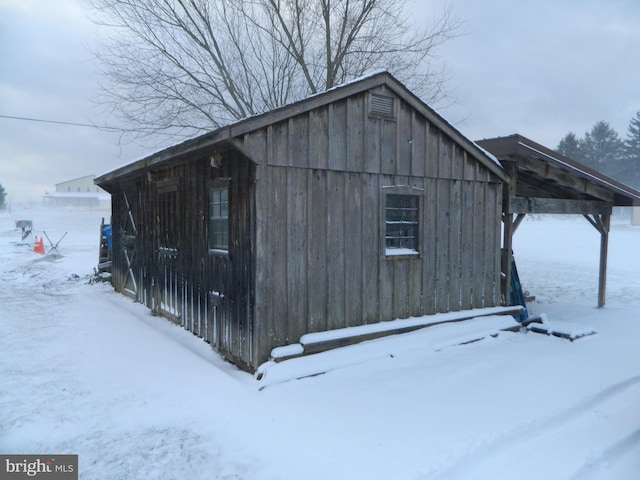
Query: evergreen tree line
{"type": "Point", "coordinates": [604, 150]}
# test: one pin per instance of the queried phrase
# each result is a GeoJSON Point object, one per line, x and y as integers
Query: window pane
{"type": "Point", "coordinates": [394, 214]}
{"type": "Point", "coordinates": [410, 215]}
{"type": "Point", "coordinates": [402, 222]}
{"type": "Point", "coordinates": [218, 219]}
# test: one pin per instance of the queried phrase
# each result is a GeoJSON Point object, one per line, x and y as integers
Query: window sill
{"type": "Point", "coordinates": [399, 253]}
{"type": "Point", "coordinates": [218, 252]}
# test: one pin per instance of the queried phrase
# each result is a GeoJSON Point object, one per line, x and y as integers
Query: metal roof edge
{"type": "Point", "coordinates": [609, 182]}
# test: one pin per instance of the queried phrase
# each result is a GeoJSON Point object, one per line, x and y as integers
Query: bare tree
{"type": "Point", "coordinates": [184, 66]}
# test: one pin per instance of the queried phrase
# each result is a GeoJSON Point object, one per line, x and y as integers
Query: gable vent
{"type": "Point", "coordinates": [382, 106]}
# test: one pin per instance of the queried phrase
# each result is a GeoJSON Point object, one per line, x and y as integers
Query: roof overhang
{"type": "Point", "coordinates": [547, 182]}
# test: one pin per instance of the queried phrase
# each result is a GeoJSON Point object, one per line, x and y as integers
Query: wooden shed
{"type": "Point", "coordinates": [353, 206]}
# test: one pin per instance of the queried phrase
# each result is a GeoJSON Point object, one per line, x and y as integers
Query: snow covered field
{"type": "Point", "coordinates": [84, 370]}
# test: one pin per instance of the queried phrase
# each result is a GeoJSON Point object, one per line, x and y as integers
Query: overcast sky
{"type": "Point", "coordinates": [540, 68]}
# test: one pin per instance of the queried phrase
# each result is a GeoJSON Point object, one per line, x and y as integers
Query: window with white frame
{"type": "Point", "coordinates": [402, 225]}
{"type": "Point", "coordinates": [219, 218]}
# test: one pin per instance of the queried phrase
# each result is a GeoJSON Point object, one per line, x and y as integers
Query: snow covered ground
{"type": "Point", "coordinates": [84, 370]}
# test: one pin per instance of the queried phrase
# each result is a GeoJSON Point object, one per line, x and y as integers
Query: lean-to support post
{"type": "Point", "coordinates": [602, 223]}
{"type": "Point", "coordinates": [605, 220]}
{"type": "Point", "coordinates": [508, 230]}
{"type": "Point", "coordinates": [507, 255]}
{"type": "Point", "coordinates": [518, 221]}
{"type": "Point", "coordinates": [511, 224]}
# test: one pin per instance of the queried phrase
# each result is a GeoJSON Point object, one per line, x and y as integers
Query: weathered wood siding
{"type": "Point", "coordinates": [167, 252]}
{"type": "Point", "coordinates": [320, 253]}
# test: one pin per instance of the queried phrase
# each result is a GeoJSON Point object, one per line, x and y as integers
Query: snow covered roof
{"type": "Point", "coordinates": [98, 195]}
{"type": "Point", "coordinates": [89, 178]}
{"type": "Point", "coordinates": [225, 136]}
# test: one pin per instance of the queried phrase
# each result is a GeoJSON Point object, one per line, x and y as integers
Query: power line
{"type": "Point", "coordinates": [76, 124]}
{"type": "Point", "coordinates": [58, 122]}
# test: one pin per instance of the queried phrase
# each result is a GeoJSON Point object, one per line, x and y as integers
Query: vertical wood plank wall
{"type": "Point", "coordinates": [320, 260]}
{"type": "Point", "coordinates": [173, 268]}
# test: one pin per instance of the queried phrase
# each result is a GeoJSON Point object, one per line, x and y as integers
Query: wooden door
{"type": "Point", "coordinates": [167, 282]}
{"type": "Point", "coordinates": [129, 242]}
{"type": "Point", "coordinates": [220, 293]}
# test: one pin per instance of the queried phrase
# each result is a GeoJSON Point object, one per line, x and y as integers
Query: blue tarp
{"type": "Point", "coordinates": [106, 231]}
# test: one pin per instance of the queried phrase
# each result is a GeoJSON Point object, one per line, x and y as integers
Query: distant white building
{"type": "Point", "coordinates": [79, 192]}
{"type": "Point", "coordinates": [635, 216]}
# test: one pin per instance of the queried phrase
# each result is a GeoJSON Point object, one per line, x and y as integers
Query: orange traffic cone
{"type": "Point", "coordinates": [38, 246]}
